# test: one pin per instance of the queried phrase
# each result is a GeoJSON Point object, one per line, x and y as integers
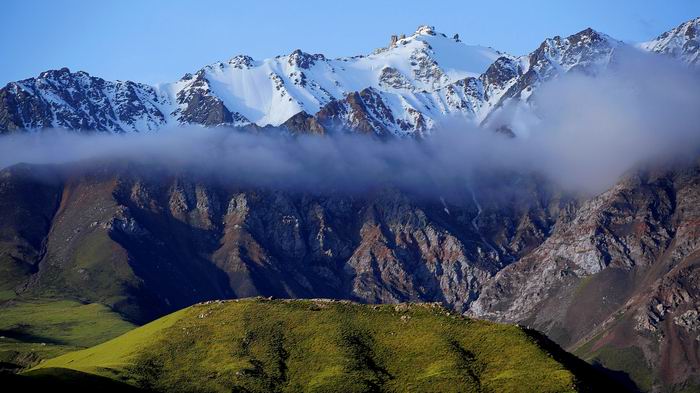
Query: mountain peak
{"type": "Point", "coordinates": [422, 33]}
{"type": "Point", "coordinates": [589, 35]}
{"type": "Point", "coordinates": [241, 61]}
{"type": "Point", "coordinates": [682, 42]}
{"type": "Point", "coordinates": [692, 23]}
{"type": "Point", "coordinates": [55, 73]}
{"type": "Point", "coordinates": [425, 30]}
{"type": "Point", "coordinates": [304, 60]}
{"type": "Point", "coordinates": [589, 38]}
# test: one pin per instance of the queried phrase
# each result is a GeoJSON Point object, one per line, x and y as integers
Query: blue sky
{"type": "Point", "coordinates": [160, 40]}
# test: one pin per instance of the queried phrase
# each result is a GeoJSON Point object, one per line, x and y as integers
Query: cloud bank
{"type": "Point", "coordinates": [581, 131]}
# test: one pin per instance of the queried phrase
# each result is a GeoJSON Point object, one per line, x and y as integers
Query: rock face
{"type": "Point", "coordinates": [198, 106]}
{"type": "Point", "coordinates": [616, 281]}
{"type": "Point", "coordinates": [406, 89]}
{"type": "Point", "coordinates": [149, 242]}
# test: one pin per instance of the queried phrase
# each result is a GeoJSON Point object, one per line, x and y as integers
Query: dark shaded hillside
{"type": "Point", "coordinates": [63, 380]}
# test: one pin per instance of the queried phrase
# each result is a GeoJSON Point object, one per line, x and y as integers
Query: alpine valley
{"type": "Point", "coordinates": [88, 252]}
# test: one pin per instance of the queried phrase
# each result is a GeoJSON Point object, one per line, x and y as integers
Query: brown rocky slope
{"type": "Point", "coordinates": [612, 277]}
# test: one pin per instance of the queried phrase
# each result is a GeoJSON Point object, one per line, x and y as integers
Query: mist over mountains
{"type": "Point", "coordinates": [582, 131]}
{"type": "Point", "coordinates": [559, 190]}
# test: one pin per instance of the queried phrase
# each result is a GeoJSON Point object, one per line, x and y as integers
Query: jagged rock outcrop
{"type": "Point", "coordinates": [617, 274]}
{"type": "Point", "coordinates": [303, 123]}
{"type": "Point", "coordinates": [199, 106]}
{"type": "Point", "coordinates": [364, 112]}
{"type": "Point", "coordinates": [146, 240]}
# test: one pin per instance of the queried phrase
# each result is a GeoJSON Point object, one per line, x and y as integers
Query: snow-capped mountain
{"type": "Point", "coordinates": [406, 88]}
{"type": "Point", "coordinates": [271, 91]}
{"type": "Point", "coordinates": [474, 98]}
{"type": "Point", "coordinates": [78, 101]}
{"type": "Point", "coordinates": [683, 42]}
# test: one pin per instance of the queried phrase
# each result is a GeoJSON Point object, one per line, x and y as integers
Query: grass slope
{"type": "Point", "coordinates": [257, 345]}
{"type": "Point", "coordinates": [35, 329]}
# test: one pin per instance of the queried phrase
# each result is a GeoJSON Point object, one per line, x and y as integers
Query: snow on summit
{"type": "Point", "coordinates": [681, 42]}
{"type": "Point", "coordinates": [406, 88]}
{"type": "Point", "coordinates": [270, 91]}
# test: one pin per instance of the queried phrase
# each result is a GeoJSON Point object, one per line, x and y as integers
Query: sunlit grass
{"type": "Point", "coordinates": [34, 329]}
{"type": "Point", "coordinates": [258, 345]}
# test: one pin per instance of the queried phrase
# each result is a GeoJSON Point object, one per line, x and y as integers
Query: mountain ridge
{"type": "Point", "coordinates": [680, 42]}
{"type": "Point", "coordinates": [405, 89]}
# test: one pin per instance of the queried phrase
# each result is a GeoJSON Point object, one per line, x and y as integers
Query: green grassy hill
{"type": "Point", "coordinates": [39, 328]}
{"type": "Point", "coordinates": [258, 345]}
